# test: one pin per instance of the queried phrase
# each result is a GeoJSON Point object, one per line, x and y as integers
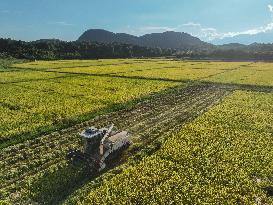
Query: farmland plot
{"type": "Point", "coordinates": [45, 104]}
{"type": "Point", "coordinates": [224, 156]}
{"type": "Point", "coordinates": [146, 122]}
{"type": "Point", "coordinates": [169, 70]}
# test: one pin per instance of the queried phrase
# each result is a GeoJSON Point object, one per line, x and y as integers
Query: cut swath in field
{"type": "Point", "coordinates": [47, 104]}
{"type": "Point", "coordinates": [145, 122]}
{"type": "Point", "coordinates": [37, 169]}
{"type": "Point", "coordinates": [222, 157]}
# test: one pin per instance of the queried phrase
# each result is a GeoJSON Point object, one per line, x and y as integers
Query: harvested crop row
{"type": "Point", "coordinates": [224, 156]}
{"type": "Point", "coordinates": [174, 107]}
{"type": "Point", "coordinates": [29, 107]}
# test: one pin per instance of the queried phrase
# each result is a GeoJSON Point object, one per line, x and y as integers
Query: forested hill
{"type": "Point", "coordinates": [55, 49]}
{"type": "Point", "coordinates": [169, 39]}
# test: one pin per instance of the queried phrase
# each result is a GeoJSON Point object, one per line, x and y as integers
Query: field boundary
{"type": "Point", "coordinates": [235, 86]}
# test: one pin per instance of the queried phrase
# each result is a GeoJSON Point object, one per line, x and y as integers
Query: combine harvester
{"type": "Point", "coordinates": [99, 146]}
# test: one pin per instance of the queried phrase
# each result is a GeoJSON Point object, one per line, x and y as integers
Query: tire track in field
{"type": "Point", "coordinates": [145, 122]}
{"type": "Point", "coordinates": [148, 123]}
{"type": "Point", "coordinates": [145, 119]}
{"type": "Point", "coordinates": [177, 115]}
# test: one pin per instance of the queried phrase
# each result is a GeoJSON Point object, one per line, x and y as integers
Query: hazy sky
{"type": "Point", "coordinates": [67, 19]}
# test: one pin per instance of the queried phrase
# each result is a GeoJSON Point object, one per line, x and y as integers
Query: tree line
{"type": "Point", "coordinates": [56, 49]}
{"type": "Point", "coordinates": [229, 54]}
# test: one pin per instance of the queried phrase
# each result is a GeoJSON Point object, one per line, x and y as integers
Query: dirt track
{"type": "Point", "coordinates": [146, 121]}
{"type": "Point", "coordinates": [163, 113]}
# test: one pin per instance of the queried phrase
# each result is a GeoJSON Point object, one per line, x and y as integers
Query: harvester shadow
{"type": "Point", "coordinates": [54, 187]}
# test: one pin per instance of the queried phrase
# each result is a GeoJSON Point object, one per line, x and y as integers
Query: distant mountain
{"type": "Point", "coordinates": [169, 39]}
{"type": "Point", "coordinates": [246, 39]}
{"type": "Point", "coordinates": [254, 47]}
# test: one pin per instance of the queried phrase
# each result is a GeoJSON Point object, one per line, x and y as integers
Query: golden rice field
{"type": "Point", "coordinates": [224, 156]}
{"type": "Point", "coordinates": [202, 131]}
{"type": "Point", "coordinates": [255, 73]}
